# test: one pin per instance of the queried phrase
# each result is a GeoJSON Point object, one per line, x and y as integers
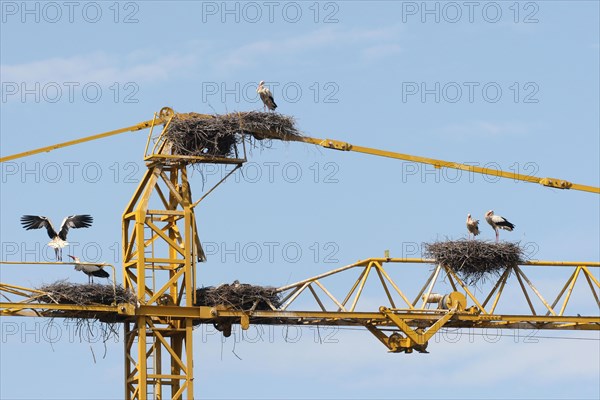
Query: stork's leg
{"type": "Point", "coordinates": [497, 235]}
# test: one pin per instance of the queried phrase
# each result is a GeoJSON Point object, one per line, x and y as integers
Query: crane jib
{"type": "Point", "coordinates": [165, 115]}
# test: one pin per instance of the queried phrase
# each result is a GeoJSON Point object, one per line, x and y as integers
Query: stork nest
{"type": "Point", "coordinates": [475, 260]}
{"type": "Point", "coordinates": [88, 323]}
{"type": "Point", "coordinates": [239, 296]}
{"type": "Point", "coordinates": [193, 134]}
{"type": "Point", "coordinates": [63, 292]}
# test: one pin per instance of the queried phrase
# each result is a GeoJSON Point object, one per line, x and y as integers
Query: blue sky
{"type": "Point", "coordinates": [502, 84]}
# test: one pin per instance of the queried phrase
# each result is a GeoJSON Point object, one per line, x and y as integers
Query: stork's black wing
{"type": "Point", "coordinates": [100, 273]}
{"type": "Point", "coordinates": [506, 224]}
{"type": "Point", "coordinates": [274, 106]}
{"type": "Point", "coordinates": [37, 222]}
{"type": "Point", "coordinates": [74, 221]}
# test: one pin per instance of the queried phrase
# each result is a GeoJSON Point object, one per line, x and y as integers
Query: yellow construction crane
{"type": "Point", "coordinates": [161, 248]}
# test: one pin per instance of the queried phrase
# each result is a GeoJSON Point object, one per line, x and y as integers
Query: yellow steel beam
{"type": "Point", "coordinates": [342, 318]}
{"type": "Point", "coordinates": [166, 114]}
{"type": "Point", "coordinates": [62, 307]}
{"type": "Point", "coordinates": [148, 248]}
{"type": "Point", "coordinates": [409, 260]}
{"type": "Point", "coordinates": [544, 263]}
{"type": "Point", "coordinates": [351, 318]}
{"type": "Point", "coordinates": [133, 128]}
{"type": "Point", "coordinates": [104, 265]}
{"type": "Point", "coordinates": [303, 318]}
{"type": "Point", "coordinates": [549, 182]}
{"type": "Point", "coordinates": [418, 338]}
{"type": "Point", "coordinates": [538, 263]}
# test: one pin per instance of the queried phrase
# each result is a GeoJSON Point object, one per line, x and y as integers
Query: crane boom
{"type": "Point", "coordinates": [166, 113]}
{"type": "Point", "coordinates": [133, 128]}
{"type": "Point", "coordinates": [549, 182]}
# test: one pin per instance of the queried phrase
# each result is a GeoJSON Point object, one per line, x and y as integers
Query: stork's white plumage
{"type": "Point", "coordinates": [497, 222]}
{"type": "Point", "coordinates": [59, 240]}
{"type": "Point", "coordinates": [472, 226]}
{"type": "Point", "coordinates": [90, 270]}
{"type": "Point", "coordinates": [266, 96]}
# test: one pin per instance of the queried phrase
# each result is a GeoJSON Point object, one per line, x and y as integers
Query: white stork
{"type": "Point", "coordinates": [497, 222]}
{"type": "Point", "coordinates": [472, 226]}
{"type": "Point", "coordinates": [266, 96]}
{"type": "Point", "coordinates": [90, 270]}
{"type": "Point", "coordinates": [59, 240]}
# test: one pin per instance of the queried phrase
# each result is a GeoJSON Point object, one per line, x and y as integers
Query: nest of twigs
{"type": "Point", "coordinates": [87, 322]}
{"type": "Point", "coordinates": [474, 260]}
{"type": "Point", "coordinates": [63, 292]}
{"type": "Point", "coordinates": [239, 296]}
{"type": "Point", "coordinates": [192, 134]}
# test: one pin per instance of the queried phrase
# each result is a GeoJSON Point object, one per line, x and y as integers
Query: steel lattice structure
{"type": "Point", "coordinates": [161, 247]}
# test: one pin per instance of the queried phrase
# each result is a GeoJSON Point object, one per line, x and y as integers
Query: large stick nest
{"type": "Point", "coordinates": [239, 296]}
{"type": "Point", "coordinates": [63, 292]}
{"type": "Point", "coordinates": [194, 134]}
{"type": "Point", "coordinates": [474, 260]}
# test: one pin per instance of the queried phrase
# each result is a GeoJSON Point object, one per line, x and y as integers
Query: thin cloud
{"type": "Point", "coordinates": [143, 66]}
{"type": "Point", "coordinates": [101, 68]}
{"type": "Point", "coordinates": [380, 51]}
{"type": "Point", "coordinates": [487, 128]}
{"type": "Point", "coordinates": [254, 53]}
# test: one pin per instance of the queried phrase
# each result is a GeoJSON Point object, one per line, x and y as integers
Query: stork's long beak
{"type": "Point", "coordinates": [73, 257]}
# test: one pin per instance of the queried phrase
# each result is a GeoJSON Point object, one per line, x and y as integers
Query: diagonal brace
{"type": "Point", "coordinates": [418, 338]}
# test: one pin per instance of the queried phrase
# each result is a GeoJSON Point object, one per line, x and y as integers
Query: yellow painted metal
{"type": "Point", "coordinates": [380, 269]}
{"type": "Point", "coordinates": [413, 335]}
{"type": "Point", "coordinates": [133, 128]}
{"type": "Point", "coordinates": [159, 153]}
{"type": "Point", "coordinates": [520, 273]}
{"type": "Point", "coordinates": [23, 291]}
{"type": "Point", "coordinates": [549, 182]}
{"type": "Point", "coordinates": [160, 249]}
{"type": "Point", "coordinates": [161, 342]}
{"type": "Point", "coordinates": [431, 284]}
{"type": "Point", "coordinates": [161, 246]}
{"type": "Point", "coordinates": [5, 307]}
{"type": "Point", "coordinates": [498, 286]}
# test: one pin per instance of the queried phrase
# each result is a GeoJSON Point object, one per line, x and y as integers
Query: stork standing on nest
{"type": "Point", "coordinates": [266, 96]}
{"type": "Point", "coordinates": [59, 240]}
{"type": "Point", "coordinates": [472, 226]}
{"type": "Point", "coordinates": [497, 222]}
{"type": "Point", "coordinates": [90, 270]}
